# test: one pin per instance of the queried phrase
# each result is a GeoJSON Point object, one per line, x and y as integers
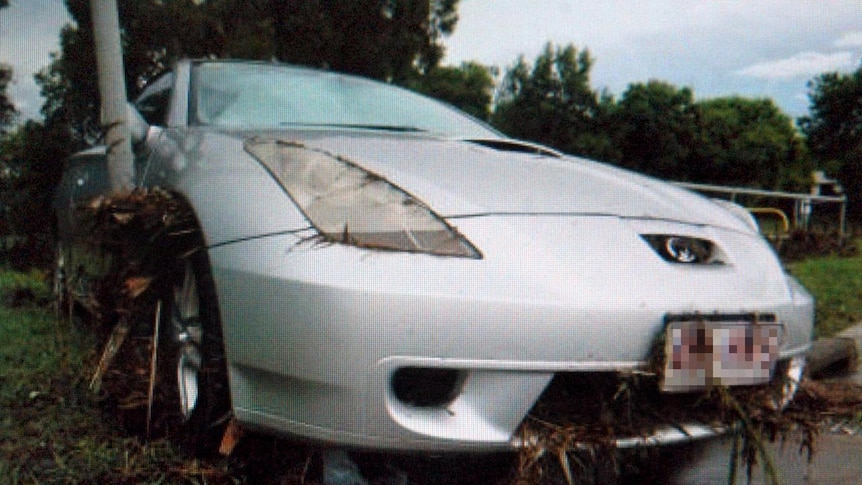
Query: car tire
{"type": "Point", "coordinates": [193, 395]}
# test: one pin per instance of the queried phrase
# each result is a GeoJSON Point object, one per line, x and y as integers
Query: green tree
{"type": "Point", "coordinates": [655, 126]}
{"type": "Point", "coordinates": [470, 87]}
{"type": "Point", "coordinates": [661, 130]}
{"type": "Point", "coordinates": [551, 101]}
{"type": "Point", "coordinates": [7, 109]}
{"type": "Point", "coordinates": [383, 39]}
{"type": "Point", "coordinates": [393, 40]}
{"type": "Point", "coordinates": [748, 142]}
{"type": "Point", "coordinates": [30, 161]}
{"type": "Point", "coordinates": [70, 89]}
{"type": "Point", "coordinates": [834, 131]}
{"type": "Point", "coordinates": [154, 33]}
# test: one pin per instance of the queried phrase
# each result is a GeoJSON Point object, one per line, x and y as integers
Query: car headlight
{"type": "Point", "coordinates": [683, 249]}
{"type": "Point", "coordinates": [347, 204]}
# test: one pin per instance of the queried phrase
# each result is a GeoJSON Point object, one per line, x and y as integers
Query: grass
{"type": "Point", "coordinates": [52, 428]}
{"type": "Point", "coordinates": [837, 285]}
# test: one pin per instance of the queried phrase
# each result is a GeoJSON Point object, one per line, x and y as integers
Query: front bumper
{"type": "Point", "coordinates": [314, 336]}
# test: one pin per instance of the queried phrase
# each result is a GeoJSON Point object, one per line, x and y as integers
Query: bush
{"type": "Point", "coordinates": [801, 244]}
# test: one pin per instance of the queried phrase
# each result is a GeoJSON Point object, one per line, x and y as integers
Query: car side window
{"type": "Point", "coordinates": [154, 101]}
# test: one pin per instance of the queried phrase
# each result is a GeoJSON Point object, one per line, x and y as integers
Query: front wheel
{"type": "Point", "coordinates": [194, 396]}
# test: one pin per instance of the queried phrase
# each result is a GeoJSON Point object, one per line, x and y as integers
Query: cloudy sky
{"type": "Point", "coordinates": [756, 48]}
{"type": "Point", "coordinates": [29, 32]}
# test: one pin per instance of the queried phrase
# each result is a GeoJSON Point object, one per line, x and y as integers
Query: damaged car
{"type": "Point", "coordinates": [379, 270]}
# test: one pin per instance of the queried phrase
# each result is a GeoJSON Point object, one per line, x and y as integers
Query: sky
{"type": "Point", "coordinates": [29, 33]}
{"type": "Point", "coordinates": [753, 48]}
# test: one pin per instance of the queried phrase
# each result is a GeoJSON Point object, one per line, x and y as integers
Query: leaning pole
{"type": "Point", "coordinates": [112, 90]}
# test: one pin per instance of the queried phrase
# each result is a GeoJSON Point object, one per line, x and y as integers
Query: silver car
{"type": "Point", "coordinates": [385, 272]}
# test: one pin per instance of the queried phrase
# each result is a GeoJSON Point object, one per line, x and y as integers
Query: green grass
{"type": "Point", "coordinates": [837, 285]}
{"type": "Point", "coordinates": [52, 428]}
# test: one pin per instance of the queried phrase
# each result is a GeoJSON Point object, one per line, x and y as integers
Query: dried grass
{"type": "Point", "coordinates": [142, 235]}
{"type": "Point", "coordinates": [573, 448]}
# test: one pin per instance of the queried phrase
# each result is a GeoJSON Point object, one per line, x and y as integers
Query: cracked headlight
{"type": "Point", "coordinates": [350, 205]}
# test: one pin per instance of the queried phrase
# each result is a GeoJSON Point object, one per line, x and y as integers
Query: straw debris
{"type": "Point", "coordinates": [138, 238]}
{"type": "Point", "coordinates": [568, 425]}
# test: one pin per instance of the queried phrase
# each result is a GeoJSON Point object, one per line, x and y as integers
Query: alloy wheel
{"type": "Point", "coordinates": [188, 339]}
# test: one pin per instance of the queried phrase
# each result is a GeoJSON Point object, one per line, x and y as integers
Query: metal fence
{"type": "Point", "coordinates": [804, 209]}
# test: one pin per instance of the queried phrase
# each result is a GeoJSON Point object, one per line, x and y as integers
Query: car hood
{"type": "Point", "coordinates": [458, 178]}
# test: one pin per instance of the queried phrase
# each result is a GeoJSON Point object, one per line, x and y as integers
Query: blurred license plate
{"type": "Point", "coordinates": [705, 354]}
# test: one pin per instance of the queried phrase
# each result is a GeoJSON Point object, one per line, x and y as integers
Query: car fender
{"type": "Point", "coordinates": [232, 195]}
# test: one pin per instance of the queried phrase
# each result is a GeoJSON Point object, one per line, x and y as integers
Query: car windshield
{"type": "Point", "coordinates": [238, 95]}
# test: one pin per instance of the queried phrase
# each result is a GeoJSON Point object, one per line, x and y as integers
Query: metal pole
{"type": "Point", "coordinates": [112, 89]}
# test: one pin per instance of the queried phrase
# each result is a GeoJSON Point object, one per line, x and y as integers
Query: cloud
{"type": "Point", "coordinates": [849, 39]}
{"type": "Point", "coordinates": [802, 65]}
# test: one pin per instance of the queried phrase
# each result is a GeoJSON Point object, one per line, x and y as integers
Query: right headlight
{"type": "Point", "coordinates": [350, 205]}
{"type": "Point", "coordinates": [683, 249]}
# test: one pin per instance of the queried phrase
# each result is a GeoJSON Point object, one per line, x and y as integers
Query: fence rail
{"type": "Point", "coordinates": [803, 204]}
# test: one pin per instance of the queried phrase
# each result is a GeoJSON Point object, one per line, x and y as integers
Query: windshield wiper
{"type": "Point", "coordinates": [392, 128]}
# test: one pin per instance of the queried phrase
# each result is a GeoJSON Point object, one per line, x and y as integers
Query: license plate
{"type": "Point", "coordinates": [704, 354]}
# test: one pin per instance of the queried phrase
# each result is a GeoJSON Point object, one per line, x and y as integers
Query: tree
{"type": "Point", "coordinates": [154, 34]}
{"type": "Point", "coordinates": [834, 131]}
{"type": "Point", "coordinates": [30, 162]}
{"type": "Point", "coordinates": [748, 142]}
{"type": "Point", "coordinates": [383, 39]}
{"type": "Point", "coordinates": [7, 109]}
{"type": "Point", "coordinates": [662, 131]}
{"type": "Point", "coordinates": [470, 87]}
{"type": "Point", "coordinates": [70, 90]}
{"type": "Point", "coordinates": [655, 124]}
{"type": "Point", "coordinates": [392, 40]}
{"type": "Point", "coordinates": [551, 101]}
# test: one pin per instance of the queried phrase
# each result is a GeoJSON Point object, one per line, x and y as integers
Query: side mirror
{"type": "Point", "coordinates": [138, 126]}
